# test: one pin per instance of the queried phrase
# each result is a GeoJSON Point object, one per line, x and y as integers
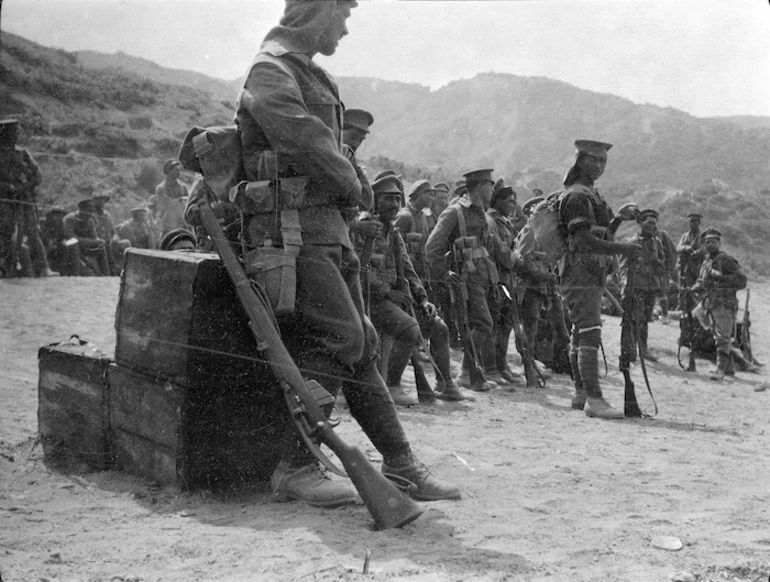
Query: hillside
{"type": "Point", "coordinates": [106, 122]}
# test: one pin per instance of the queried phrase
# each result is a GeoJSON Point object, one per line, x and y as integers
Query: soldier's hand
{"type": "Point", "coordinates": [715, 273]}
{"type": "Point", "coordinates": [428, 309]}
{"type": "Point", "coordinates": [369, 228]}
{"type": "Point", "coordinates": [628, 211]}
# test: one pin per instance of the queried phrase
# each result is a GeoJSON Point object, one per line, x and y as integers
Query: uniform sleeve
{"type": "Point", "coordinates": [439, 242]}
{"type": "Point", "coordinates": [577, 212]}
{"type": "Point", "coordinates": [732, 277]}
{"type": "Point", "coordinates": [272, 96]}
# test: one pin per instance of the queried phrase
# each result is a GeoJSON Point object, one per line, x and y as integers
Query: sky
{"type": "Point", "coordinates": [705, 57]}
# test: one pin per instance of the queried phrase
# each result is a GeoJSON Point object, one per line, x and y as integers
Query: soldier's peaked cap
{"type": "Point", "coordinates": [441, 186]}
{"type": "Point", "coordinates": [711, 232]}
{"type": "Point", "coordinates": [387, 183]}
{"type": "Point", "coordinates": [592, 148]}
{"type": "Point", "coordinates": [643, 214]}
{"type": "Point", "coordinates": [419, 187]}
{"type": "Point", "coordinates": [138, 209]}
{"type": "Point", "coordinates": [358, 119]}
{"type": "Point", "coordinates": [85, 203]}
{"type": "Point", "coordinates": [484, 175]}
{"type": "Point", "coordinates": [169, 164]}
{"type": "Point", "coordinates": [57, 210]}
{"type": "Point", "coordinates": [697, 215]}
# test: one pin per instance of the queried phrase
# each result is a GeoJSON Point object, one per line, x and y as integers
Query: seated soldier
{"type": "Point", "coordinates": [63, 254]}
{"type": "Point", "coordinates": [137, 230]}
{"type": "Point", "coordinates": [179, 239]}
{"type": "Point", "coordinates": [393, 287]}
{"type": "Point", "coordinates": [81, 226]}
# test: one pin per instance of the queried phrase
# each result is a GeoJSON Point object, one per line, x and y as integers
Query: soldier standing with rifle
{"type": "Point", "coordinates": [395, 288]}
{"type": "Point", "coordinates": [462, 234]}
{"type": "Point", "coordinates": [590, 226]}
{"type": "Point", "coordinates": [650, 268]}
{"type": "Point", "coordinates": [721, 276]}
{"type": "Point", "coordinates": [290, 118]}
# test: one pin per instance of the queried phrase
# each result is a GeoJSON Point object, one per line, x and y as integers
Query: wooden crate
{"type": "Point", "coordinates": [185, 353]}
{"type": "Point", "coordinates": [73, 403]}
{"type": "Point", "coordinates": [223, 436]}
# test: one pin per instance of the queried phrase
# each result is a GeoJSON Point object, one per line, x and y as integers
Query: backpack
{"type": "Point", "coordinates": [547, 227]}
{"type": "Point", "coordinates": [214, 152]}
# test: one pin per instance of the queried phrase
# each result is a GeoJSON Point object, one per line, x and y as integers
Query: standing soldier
{"type": "Point", "coordinates": [462, 232]}
{"type": "Point", "coordinates": [412, 222]}
{"type": "Point", "coordinates": [355, 128]}
{"type": "Point", "coordinates": [720, 277]}
{"type": "Point", "coordinates": [690, 250]}
{"type": "Point", "coordinates": [650, 268]}
{"type": "Point", "coordinates": [168, 202]}
{"type": "Point", "coordinates": [440, 202]}
{"type": "Point", "coordinates": [19, 177]}
{"type": "Point", "coordinates": [535, 278]}
{"type": "Point", "coordinates": [290, 118]}
{"type": "Point", "coordinates": [500, 208]}
{"type": "Point", "coordinates": [395, 289]}
{"type": "Point", "coordinates": [590, 226]}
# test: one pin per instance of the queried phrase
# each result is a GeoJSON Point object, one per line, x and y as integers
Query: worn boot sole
{"type": "Point", "coordinates": [286, 496]}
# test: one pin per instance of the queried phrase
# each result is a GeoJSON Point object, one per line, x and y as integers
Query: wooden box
{"type": "Point", "coordinates": [192, 401]}
{"type": "Point", "coordinates": [73, 402]}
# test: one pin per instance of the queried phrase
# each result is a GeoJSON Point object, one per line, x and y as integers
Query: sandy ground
{"type": "Point", "coordinates": [549, 494]}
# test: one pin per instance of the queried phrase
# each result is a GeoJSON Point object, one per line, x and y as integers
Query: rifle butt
{"type": "Point", "coordinates": [691, 363]}
{"type": "Point", "coordinates": [630, 405]}
{"type": "Point", "coordinates": [425, 394]}
{"type": "Point", "coordinates": [388, 505]}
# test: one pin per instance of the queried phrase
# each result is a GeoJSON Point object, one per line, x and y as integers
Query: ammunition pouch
{"type": "Point", "coordinates": [468, 252]}
{"type": "Point", "coordinates": [413, 242]}
{"type": "Point", "coordinates": [275, 267]}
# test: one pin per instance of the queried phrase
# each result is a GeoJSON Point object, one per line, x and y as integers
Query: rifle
{"type": "Point", "coordinates": [629, 344]}
{"type": "Point", "coordinates": [388, 505]}
{"type": "Point", "coordinates": [745, 333]}
{"type": "Point", "coordinates": [425, 393]}
{"type": "Point", "coordinates": [687, 330]}
{"type": "Point", "coordinates": [458, 297]}
{"type": "Point", "coordinates": [531, 373]}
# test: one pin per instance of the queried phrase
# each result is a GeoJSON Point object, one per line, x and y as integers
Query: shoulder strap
{"type": "Point", "coordinates": [461, 221]}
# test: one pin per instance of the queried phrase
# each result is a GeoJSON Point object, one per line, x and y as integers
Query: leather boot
{"type": "Point", "coordinates": [401, 398]}
{"type": "Point", "coordinates": [597, 407]}
{"type": "Point", "coordinates": [311, 484]}
{"type": "Point", "coordinates": [720, 371]}
{"type": "Point", "coordinates": [450, 392]}
{"type": "Point", "coordinates": [417, 481]}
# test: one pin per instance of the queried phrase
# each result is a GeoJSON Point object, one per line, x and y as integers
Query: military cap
{"type": "Point", "coordinates": [461, 190]}
{"type": "Point", "coordinates": [138, 209]}
{"type": "Point", "coordinates": [85, 203]}
{"type": "Point", "coordinates": [9, 132]}
{"type": "Point", "coordinates": [419, 187]}
{"type": "Point", "coordinates": [531, 203]}
{"type": "Point", "coordinates": [711, 232]}
{"type": "Point", "coordinates": [387, 183]}
{"type": "Point", "coordinates": [592, 148]}
{"type": "Point", "coordinates": [57, 210]}
{"type": "Point", "coordinates": [643, 214]}
{"type": "Point", "coordinates": [697, 215]}
{"type": "Point", "coordinates": [459, 183]}
{"type": "Point", "coordinates": [101, 196]}
{"type": "Point", "coordinates": [357, 119]}
{"type": "Point", "coordinates": [172, 237]}
{"type": "Point", "coordinates": [170, 164]}
{"type": "Point", "coordinates": [387, 173]}
{"type": "Point", "coordinates": [441, 186]}
{"type": "Point", "coordinates": [537, 192]}
{"type": "Point", "coordinates": [484, 175]}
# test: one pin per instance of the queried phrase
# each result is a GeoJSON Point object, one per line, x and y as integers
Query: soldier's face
{"type": "Point", "coordinates": [694, 223]}
{"type": "Point", "coordinates": [337, 28]}
{"type": "Point", "coordinates": [174, 173]}
{"type": "Point", "coordinates": [505, 206]}
{"type": "Point", "coordinates": [425, 199]}
{"type": "Point", "coordinates": [712, 244]}
{"type": "Point", "coordinates": [388, 204]}
{"type": "Point", "coordinates": [650, 225]}
{"type": "Point", "coordinates": [485, 190]}
{"type": "Point", "coordinates": [592, 167]}
{"type": "Point", "coordinates": [441, 200]}
{"type": "Point", "coordinates": [353, 137]}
